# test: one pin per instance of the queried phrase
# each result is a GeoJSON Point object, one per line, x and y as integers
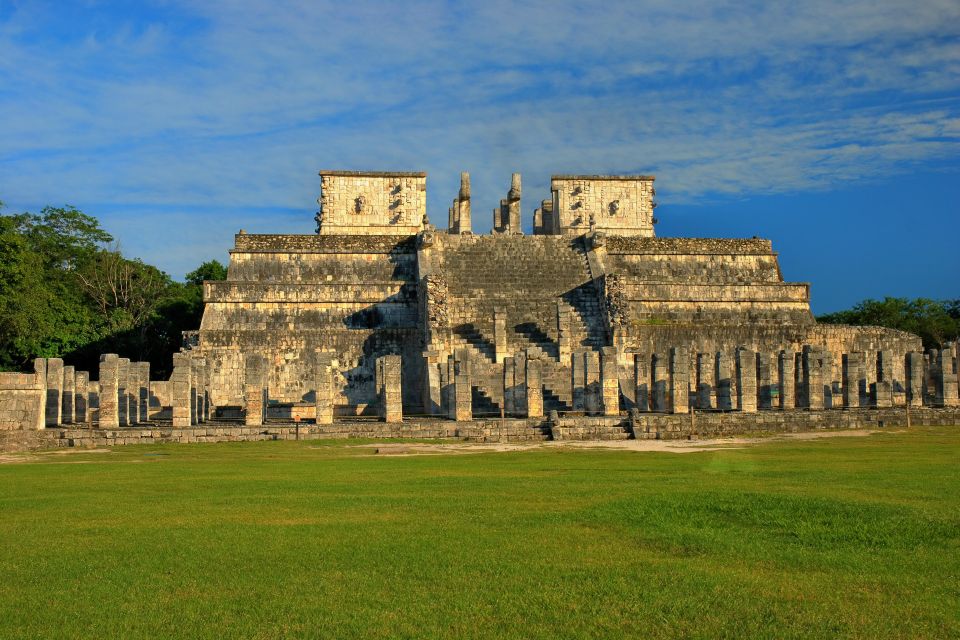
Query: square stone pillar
{"type": "Point", "coordinates": [108, 398]}
{"type": "Point", "coordinates": [81, 397]}
{"type": "Point", "coordinates": [945, 380]}
{"type": "Point", "coordinates": [143, 390]}
{"type": "Point", "coordinates": [254, 389]}
{"type": "Point", "coordinates": [578, 363]}
{"type": "Point", "coordinates": [451, 387]}
{"type": "Point", "coordinates": [724, 377]}
{"type": "Point", "coordinates": [812, 378]}
{"type": "Point", "coordinates": [914, 375]}
{"type": "Point", "coordinates": [679, 380]}
{"type": "Point", "coordinates": [509, 386]}
{"type": "Point", "coordinates": [705, 372]}
{"type": "Point", "coordinates": [660, 375]}
{"type": "Point", "coordinates": [123, 393]}
{"type": "Point", "coordinates": [520, 383]}
{"type": "Point", "coordinates": [432, 388]}
{"type": "Point", "coordinates": [854, 381]}
{"type": "Point", "coordinates": [195, 403]}
{"type": "Point", "coordinates": [462, 390]}
{"type": "Point", "coordinates": [610, 381]}
{"type": "Point", "coordinates": [826, 377]}
{"type": "Point", "coordinates": [69, 400]}
{"type": "Point", "coordinates": [785, 380]}
{"type": "Point", "coordinates": [324, 386]}
{"type": "Point", "coordinates": [499, 335]}
{"type": "Point", "coordinates": [390, 393]}
{"type": "Point", "coordinates": [592, 393]}
{"type": "Point", "coordinates": [641, 380]}
{"type": "Point", "coordinates": [747, 380]}
{"type": "Point", "coordinates": [180, 391]}
{"type": "Point", "coordinates": [563, 330]}
{"type": "Point", "coordinates": [533, 381]}
{"type": "Point", "coordinates": [54, 412]}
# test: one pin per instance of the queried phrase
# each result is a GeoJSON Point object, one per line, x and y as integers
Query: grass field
{"type": "Point", "coordinates": [850, 537]}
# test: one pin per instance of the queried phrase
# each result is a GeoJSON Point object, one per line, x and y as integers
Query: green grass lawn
{"type": "Point", "coordinates": [851, 537]}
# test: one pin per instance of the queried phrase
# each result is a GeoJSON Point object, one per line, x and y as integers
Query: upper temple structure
{"type": "Point", "coordinates": [589, 328]}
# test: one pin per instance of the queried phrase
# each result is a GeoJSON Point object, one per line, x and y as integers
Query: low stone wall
{"type": "Point", "coordinates": [639, 426]}
{"type": "Point", "coordinates": [22, 401]}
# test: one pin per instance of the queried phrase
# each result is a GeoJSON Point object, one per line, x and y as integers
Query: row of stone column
{"type": "Point", "coordinates": [124, 391]}
{"type": "Point", "coordinates": [189, 390]}
{"type": "Point", "coordinates": [68, 395]}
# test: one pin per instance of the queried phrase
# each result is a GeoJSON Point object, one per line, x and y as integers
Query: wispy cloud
{"type": "Point", "coordinates": [203, 108]}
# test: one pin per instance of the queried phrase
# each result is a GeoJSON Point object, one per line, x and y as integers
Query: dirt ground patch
{"type": "Point", "coordinates": [669, 446]}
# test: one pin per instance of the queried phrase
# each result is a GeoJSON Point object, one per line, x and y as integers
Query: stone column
{"type": "Point", "coordinates": [563, 330]}
{"type": "Point", "coordinates": [826, 375]}
{"type": "Point", "coordinates": [520, 383]}
{"type": "Point", "coordinates": [679, 380]}
{"type": "Point", "coordinates": [914, 371]}
{"type": "Point", "coordinates": [324, 386]}
{"type": "Point", "coordinates": [641, 380]}
{"type": "Point", "coordinates": [143, 390]}
{"type": "Point", "coordinates": [704, 380]}
{"type": "Point", "coordinates": [592, 392]}
{"type": "Point", "coordinates": [853, 379]}
{"type": "Point", "coordinates": [195, 403]}
{"type": "Point", "coordinates": [579, 385]}
{"type": "Point", "coordinates": [462, 392]}
{"type": "Point", "coordinates": [660, 375]}
{"type": "Point", "coordinates": [391, 395]}
{"type": "Point", "coordinates": [254, 389]}
{"type": "Point", "coordinates": [109, 396]}
{"type": "Point", "coordinates": [764, 381]}
{"type": "Point", "coordinates": [123, 395]}
{"type": "Point", "coordinates": [746, 380]}
{"type": "Point", "coordinates": [81, 397]}
{"type": "Point", "coordinates": [499, 335]}
{"type": "Point", "coordinates": [69, 400]}
{"type": "Point", "coordinates": [533, 381]}
{"type": "Point", "coordinates": [54, 412]}
{"type": "Point", "coordinates": [433, 386]}
{"type": "Point", "coordinates": [609, 381]}
{"type": "Point", "coordinates": [812, 378]}
{"type": "Point", "coordinates": [785, 379]}
{"type": "Point", "coordinates": [451, 387]}
{"type": "Point", "coordinates": [180, 387]}
{"type": "Point", "coordinates": [513, 205]}
{"type": "Point", "coordinates": [945, 380]}
{"type": "Point", "coordinates": [509, 386]}
{"type": "Point", "coordinates": [724, 377]}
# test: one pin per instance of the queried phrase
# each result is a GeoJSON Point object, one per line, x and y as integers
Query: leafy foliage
{"type": "Point", "coordinates": [935, 321]}
{"type": "Point", "coordinates": [65, 291]}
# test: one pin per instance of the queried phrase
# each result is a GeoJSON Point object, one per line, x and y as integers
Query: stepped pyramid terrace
{"type": "Point", "coordinates": [591, 327]}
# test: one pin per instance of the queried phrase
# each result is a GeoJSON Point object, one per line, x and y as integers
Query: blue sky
{"type": "Point", "coordinates": [830, 127]}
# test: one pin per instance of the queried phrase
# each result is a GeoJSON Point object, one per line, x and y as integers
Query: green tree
{"type": "Point", "coordinates": [935, 321]}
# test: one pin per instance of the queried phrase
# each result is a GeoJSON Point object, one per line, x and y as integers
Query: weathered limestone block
{"type": "Point", "coordinates": [945, 380]}
{"type": "Point", "coordinates": [109, 396]}
{"type": "Point", "coordinates": [143, 390]}
{"type": "Point", "coordinates": [747, 380]}
{"type": "Point", "coordinates": [54, 411]}
{"type": "Point", "coordinates": [81, 397]}
{"type": "Point", "coordinates": [786, 380]}
{"type": "Point", "coordinates": [680, 380]}
{"type": "Point", "coordinates": [500, 335]}
{"type": "Point", "coordinates": [882, 392]}
{"type": "Point", "coordinates": [621, 205]}
{"type": "Point", "coordinates": [509, 386]}
{"type": "Point", "coordinates": [451, 387]}
{"type": "Point", "coordinates": [641, 379]}
{"type": "Point", "coordinates": [520, 385]}
{"type": "Point", "coordinates": [254, 389]}
{"type": "Point", "coordinates": [391, 397]}
{"type": "Point", "coordinates": [180, 390]}
{"type": "Point", "coordinates": [724, 377]}
{"type": "Point", "coordinates": [534, 385]}
{"type": "Point", "coordinates": [592, 394]}
{"type": "Point", "coordinates": [123, 391]}
{"type": "Point", "coordinates": [826, 370]}
{"type": "Point", "coordinates": [768, 389]}
{"type": "Point", "coordinates": [705, 391]}
{"type": "Point", "coordinates": [432, 389]}
{"type": "Point", "coordinates": [578, 370]}
{"type": "Point", "coordinates": [69, 395]}
{"type": "Point", "coordinates": [610, 381]}
{"type": "Point", "coordinates": [463, 393]}
{"type": "Point", "coordinates": [372, 203]}
{"type": "Point", "coordinates": [812, 372]}
{"type": "Point", "coordinates": [661, 382]}
{"type": "Point", "coordinates": [855, 380]}
{"type": "Point", "coordinates": [914, 371]}
{"type": "Point", "coordinates": [324, 386]}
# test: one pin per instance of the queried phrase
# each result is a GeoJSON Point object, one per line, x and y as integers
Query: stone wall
{"type": "Point", "coordinates": [371, 203]}
{"type": "Point", "coordinates": [615, 204]}
{"type": "Point", "coordinates": [23, 398]}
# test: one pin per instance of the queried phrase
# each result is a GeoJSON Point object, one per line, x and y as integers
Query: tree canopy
{"type": "Point", "coordinates": [67, 291]}
{"type": "Point", "coordinates": [935, 321]}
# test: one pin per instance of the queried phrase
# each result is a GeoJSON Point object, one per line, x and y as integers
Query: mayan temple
{"type": "Point", "coordinates": [590, 328]}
